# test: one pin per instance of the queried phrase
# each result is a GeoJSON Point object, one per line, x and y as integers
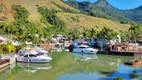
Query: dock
{"type": "Point", "coordinates": [121, 53]}
{"type": "Point", "coordinates": [123, 49]}
{"type": "Point", "coordinates": [4, 62]}
{"type": "Point", "coordinates": [7, 60]}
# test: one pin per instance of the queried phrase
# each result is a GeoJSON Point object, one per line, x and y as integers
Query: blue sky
{"type": "Point", "coordinates": [122, 4]}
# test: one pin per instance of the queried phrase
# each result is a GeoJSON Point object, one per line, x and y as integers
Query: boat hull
{"type": "Point", "coordinates": [85, 51]}
{"type": "Point", "coordinates": [136, 63]}
{"type": "Point", "coordinates": [33, 60]}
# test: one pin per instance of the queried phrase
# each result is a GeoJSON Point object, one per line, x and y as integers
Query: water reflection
{"type": "Point", "coordinates": [6, 72]}
{"type": "Point", "coordinates": [33, 67]}
{"type": "Point", "coordinates": [9, 72]}
{"type": "Point", "coordinates": [125, 72]}
{"type": "Point", "coordinates": [65, 67]}
{"type": "Point", "coordinates": [122, 71]}
{"type": "Point", "coordinates": [84, 57]}
{"type": "Point", "coordinates": [81, 76]}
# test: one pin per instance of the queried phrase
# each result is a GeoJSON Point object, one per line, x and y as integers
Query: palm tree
{"type": "Point", "coordinates": [135, 32]}
{"type": "Point", "coordinates": [107, 33]}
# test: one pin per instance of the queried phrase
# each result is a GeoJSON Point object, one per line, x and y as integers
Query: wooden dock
{"type": "Point", "coordinates": [7, 60]}
{"type": "Point", "coordinates": [4, 62]}
{"type": "Point", "coordinates": [119, 53]}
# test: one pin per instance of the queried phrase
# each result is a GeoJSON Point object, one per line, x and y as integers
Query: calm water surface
{"type": "Point", "coordinates": [68, 66]}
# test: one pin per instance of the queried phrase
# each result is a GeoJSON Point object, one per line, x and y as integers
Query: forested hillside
{"type": "Point", "coordinates": [100, 9]}
{"type": "Point", "coordinates": [103, 9]}
{"type": "Point", "coordinates": [134, 14]}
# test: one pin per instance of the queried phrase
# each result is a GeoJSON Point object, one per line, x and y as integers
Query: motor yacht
{"type": "Point", "coordinates": [32, 56]}
{"type": "Point", "coordinates": [84, 49]}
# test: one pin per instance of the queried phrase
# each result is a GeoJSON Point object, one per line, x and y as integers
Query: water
{"type": "Point", "coordinates": [66, 66]}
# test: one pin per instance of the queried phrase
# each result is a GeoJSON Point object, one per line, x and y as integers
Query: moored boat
{"type": "Point", "coordinates": [33, 57]}
{"type": "Point", "coordinates": [133, 63]}
{"type": "Point", "coordinates": [84, 49]}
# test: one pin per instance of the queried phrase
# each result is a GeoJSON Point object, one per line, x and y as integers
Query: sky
{"type": "Point", "coordinates": [122, 4]}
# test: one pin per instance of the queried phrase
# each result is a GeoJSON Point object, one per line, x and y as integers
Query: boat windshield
{"type": "Point", "coordinates": [30, 55]}
{"type": "Point", "coordinates": [83, 47]}
{"type": "Point", "coordinates": [40, 54]}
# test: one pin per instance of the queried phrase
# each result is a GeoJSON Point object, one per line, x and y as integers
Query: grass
{"type": "Point", "coordinates": [89, 22]}
{"type": "Point", "coordinates": [31, 6]}
{"type": "Point", "coordinates": [71, 20]}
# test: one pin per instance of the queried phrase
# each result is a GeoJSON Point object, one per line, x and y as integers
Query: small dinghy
{"type": "Point", "coordinates": [133, 63]}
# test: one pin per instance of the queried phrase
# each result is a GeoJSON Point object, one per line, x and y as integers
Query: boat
{"type": "Point", "coordinates": [40, 50]}
{"type": "Point", "coordinates": [66, 47]}
{"type": "Point", "coordinates": [133, 63]}
{"type": "Point", "coordinates": [84, 49]}
{"type": "Point", "coordinates": [32, 56]}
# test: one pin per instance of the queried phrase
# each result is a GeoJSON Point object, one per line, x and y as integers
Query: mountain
{"type": "Point", "coordinates": [139, 8]}
{"type": "Point", "coordinates": [72, 17]}
{"type": "Point", "coordinates": [102, 9]}
{"type": "Point", "coordinates": [133, 14]}
{"type": "Point", "coordinates": [103, 3]}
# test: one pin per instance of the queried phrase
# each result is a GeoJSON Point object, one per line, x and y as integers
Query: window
{"type": "Point", "coordinates": [82, 47]}
{"type": "Point", "coordinates": [39, 54]}
{"type": "Point", "coordinates": [30, 55]}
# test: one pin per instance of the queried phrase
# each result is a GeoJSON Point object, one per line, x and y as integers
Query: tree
{"type": "Point", "coordinates": [10, 48]}
{"type": "Point", "coordinates": [21, 13]}
{"type": "Point", "coordinates": [73, 33]}
{"type": "Point", "coordinates": [7, 48]}
{"type": "Point", "coordinates": [50, 17]}
{"type": "Point", "coordinates": [111, 35]}
{"type": "Point", "coordinates": [107, 33]}
{"type": "Point", "coordinates": [135, 32]}
{"type": "Point", "coordinates": [125, 36]}
{"type": "Point", "coordinates": [84, 33]}
{"type": "Point", "coordinates": [92, 33]}
{"type": "Point", "coordinates": [3, 49]}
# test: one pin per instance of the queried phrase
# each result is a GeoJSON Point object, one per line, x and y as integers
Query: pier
{"type": "Point", "coordinates": [7, 60]}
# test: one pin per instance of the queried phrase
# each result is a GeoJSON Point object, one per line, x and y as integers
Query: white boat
{"type": "Point", "coordinates": [33, 57]}
{"type": "Point", "coordinates": [40, 50]}
{"type": "Point", "coordinates": [66, 47]}
{"type": "Point", "coordinates": [84, 49]}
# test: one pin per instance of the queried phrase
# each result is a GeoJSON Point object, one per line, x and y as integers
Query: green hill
{"type": "Point", "coordinates": [31, 6]}
{"type": "Point", "coordinates": [102, 9]}
{"type": "Point", "coordinates": [81, 21]}
{"type": "Point", "coordinates": [7, 14]}
{"type": "Point", "coordinates": [134, 14]}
